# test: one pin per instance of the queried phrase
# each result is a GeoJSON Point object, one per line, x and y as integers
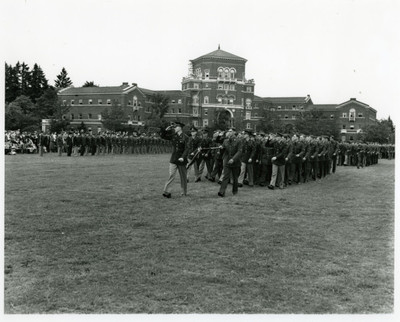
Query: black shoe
{"type": "Point", "coordinates": [246, 182]}
{"type": "Point", "coordinates": [219, 182]}
{"type": "Point", "coordinates": [262, 184]}
{"type": "Point", "coordinates": [240, 185]}
{"type": "Point", "coordinates": [270, 186]}
{"type": "Point", "coordinates": [198, 180]}
{"type": "Point", "coordinates": [220, 194]}
{"type": "Point", "coordinates": [187, 180]}
{"type": "Point", "coordinates": [212, 179]}
{"type": "Point", "coordinates": [166, 195]}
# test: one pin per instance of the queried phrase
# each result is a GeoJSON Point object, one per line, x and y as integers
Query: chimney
{"type": "Point", "coordinates": [353, 99]}
{"type": "Point", "coordinates": [125, 84]}
{"type": "Point", "coordinates": [134, 84]}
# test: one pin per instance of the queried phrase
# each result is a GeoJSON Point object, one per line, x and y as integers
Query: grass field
{"type": "Point", "coordinates": [94, 235]}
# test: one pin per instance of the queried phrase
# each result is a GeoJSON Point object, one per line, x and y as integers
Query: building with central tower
{"type": "Point", "coordinates": [217, 88]}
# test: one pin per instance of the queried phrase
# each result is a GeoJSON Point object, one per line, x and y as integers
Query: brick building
{"type": "Point", "coordinates": [215, 90]}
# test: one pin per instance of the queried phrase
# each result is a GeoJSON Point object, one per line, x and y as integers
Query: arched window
{"type": "Point", "coordinates": [220, 72]}
{"type": "Point", "coordinates": [352, 115]}
{"type": "Point", "coordinates": [226, 72]}
{"type": "Point", "coordinates": [205, 99]}
{"type": "Point", "coordinates": [195, 99]}
{"type": "Point", "coordinates": [233, 71]}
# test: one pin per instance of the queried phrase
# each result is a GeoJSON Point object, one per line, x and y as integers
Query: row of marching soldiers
{"type": "Point", "coordinates": [276, 160]}
{"type": "Point", "coordinates": [75, 143]}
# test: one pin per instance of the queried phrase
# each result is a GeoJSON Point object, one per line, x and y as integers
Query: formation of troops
{"type": "Point", "coordinates": [80, 143]}
{"type": "Point", "coordinates": [269, 160]}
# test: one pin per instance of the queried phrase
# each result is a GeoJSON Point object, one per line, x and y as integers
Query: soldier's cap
{"type": "Point", "coordinates": [279, 134]}
{"type": "Point", "coordinates": [232, 129]}
{"type": "Point", "coordinates": [193, 129]}
{"type": "Point", "coordinates": [286, 136]}
{"type": "Point", "coordinates": [249, 132]}
{"type": "Point", "coordinates": [206, 130]}
{"type": "Point", "coordinates": [177, 123]}
{"type": "Point", "coordinates": [261, 133]}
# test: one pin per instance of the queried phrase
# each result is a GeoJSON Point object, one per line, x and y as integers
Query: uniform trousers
{"type": "Point", "coordinates": [275, 170]}
{"type": "Point", "coordinates": [172, 173]}
{"type": "Point", "coordinates": [246, 167]}
{"type": "Point", "coordinates": [228, 172]}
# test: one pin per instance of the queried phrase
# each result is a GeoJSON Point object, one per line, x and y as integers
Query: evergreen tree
{"type": "Point", "coordinates": [160, 106]}
{"type": "Point", "coordinates": [25, 80]}
{"type": "Point", "coordinates": [90, 84]}
{"type": "Point", "coordinates": [12, 89]}
{"type": "Point", "coordinates": [20, 114]}
{"type": "Point", "coordinates": [46, 105]}
{"type": "Point", "coordinates": [63, 81]}
{"type": "Point", "coordinates": [39, 83]}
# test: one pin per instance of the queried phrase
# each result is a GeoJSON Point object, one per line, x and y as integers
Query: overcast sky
{"type": "Point", "coordinates": [332, 50]}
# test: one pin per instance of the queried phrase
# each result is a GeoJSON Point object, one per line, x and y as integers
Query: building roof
{"type": "Point", "coordinates": [288, 100]}
{"type": "Point", "coordinates": [324, 107]}
{"type": "Point", "coordinates": [96, 90]}
{"type": "Point", "coordinates": [221, 54]}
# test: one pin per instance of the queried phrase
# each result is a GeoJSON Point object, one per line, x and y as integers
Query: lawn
{"type": "Point", "coordinates": [94, 235]}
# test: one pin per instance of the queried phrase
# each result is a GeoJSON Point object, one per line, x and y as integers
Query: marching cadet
{"type": "Point", "coordinates": [296, 160]}
{"type": "Point", "coordinates": [278, 162]}
{"type": "Point", "coordinates": [247, 156]}
{"type": "Point", "coordinates": [335, 152]}
{"type": "Point", "coordinates": [266, 154]}
{"type": "Point", "coordinates": [60, 143]}
{"type": "Point", "coordinates": [258, 140]}
{"type": "Point", "coordinates": [178, 158]}
{"type": "Point", "coordinates": [206, 155]}
{"type": "Point", "coordinates": [218, 140]}
{"type": "Point", "coordinates": [288, 160]}
{"type": "Point", "coordinates": [232, 149]}
{"type": "Point", "coordinates": [194, 145]}
{"type": "Point", "coordinates": [69, 143]}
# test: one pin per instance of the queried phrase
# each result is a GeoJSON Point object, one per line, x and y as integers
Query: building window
{"type": "Point", "coordinates": [286, 116]}
{"type": "Point", "coordinates": [179, 101]}
{"type": "Point", "coordinates": [248, 126]}
{"type": "Point", "coordinates": [293, 107]}
{"type": "Point", "coordinates": [134, 101]}
{"type": "Point", "coordinates": [351, 138]}
{"type": "Point", "coordinates": [206, 85]}
{"type": "Point", "coordinates": [64, 102]}
{"type": "Point", "coordinates": [205, 122]}
{"type": "Point", "coordinates": [72, 102]}
{"type": "Point", "coordinates": [196, 86]}
{"type": "Point", "coordinates": [64, 117]}
{"type": "Point", "coordinates": [302, 107]}
{"type": "Point", "coordinates": [226, 87]}
{"type": "Point", "coordinates": [220, 72]}
{"type": "Point", "coordinates": [72, 116]}
{"type": "Point", "coordinates": [272, 109]}
{"type": "Point", "coordinates": [220, 86]}
{"type": "Point", "coordinates": [148, 109]}
{"type": "Point", "coordinates": [344, 114]}
{"type": "Point", "coordinates": [293, 117]}
{"type": "Point", "coordinates": [179, 111]}
{"type": "Point", "coordinates": [139, 118]}
{"type": "Point", "coordinates": [279, 107]}
{"type": "Point", "coordinates": [80, 102]}
{"type": "Point", "coordinates": [195, 111]}
{"type": "Point", "coordinates": [89, 115]}
{"type": "Point", "coordinates": [219, 100]}
{"type": "Point", "coordinates": [352, 115]}
{"type": "Point", "coordinates": [206, 111]}
{"type": "Point", "coordinates": [231, 100]}
{"type": "Point", "coordinates": [90, 101]}
{"type": "Point", "coordinates": [108, 102]}
{"type": "Point", "coordinates": [99, 116]}
{"type": "Point", "coordinates": [232, 87]}
{"type": "Point", "coordinates": [233, 71]}
{"type": "Point", "coordinates": [196, 123]}
{"type": "Point", "coordinates": [100, 102]}
{"type": "Point", "coordinates": [248, 103]}
{"type": "Point", "coordinates": [205, 99]}
{"type": "Point", "coordinates": [332, 116]}
{"type": "Point", "coordinates": [344, 126]}
{"type": "Point", "coordinates": [207, 74]}
{"type": "Point", "coordinates": [255, 114]}
{"type": "Point", "coordinates": [248, 115]}
{"type": "Point", "coordinates": [172, 110]}
{"type": "Point", "coordinates": [195, 99]}
{"type": "Point", "coordinates": [248, 89]}
{"type": "Point", "coordinates": [173, 101]}
{"type": "Point", "coordinates": [80, 116]}
{"type": "Point", "coordinates": [360, 114]}
{"type": "Point", "coordinates": [351, 127]}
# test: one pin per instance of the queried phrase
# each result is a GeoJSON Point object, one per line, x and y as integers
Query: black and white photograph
{"type": "Point", "coordinates": [211, 160]}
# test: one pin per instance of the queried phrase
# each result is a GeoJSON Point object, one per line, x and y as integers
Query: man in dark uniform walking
{"type": "Point", "coordinates": [178, 160]}
{"type": "Point", "coordinates": [232, 150]}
